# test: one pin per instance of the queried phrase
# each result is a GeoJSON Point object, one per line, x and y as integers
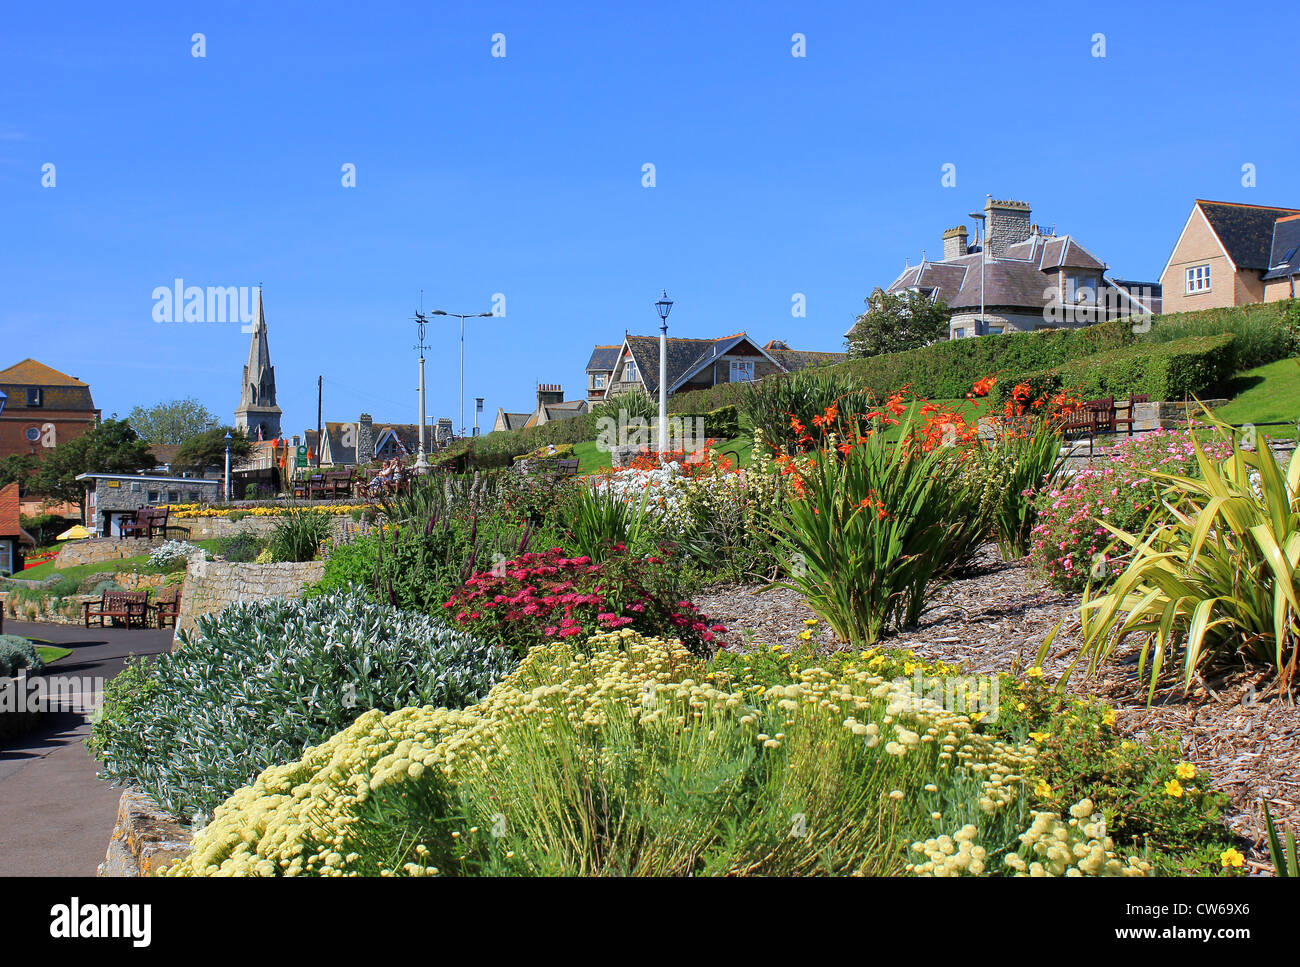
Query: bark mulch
{"type": "Point", "coordinates": [994, 617]}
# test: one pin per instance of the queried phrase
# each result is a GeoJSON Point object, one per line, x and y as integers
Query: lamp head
{"type": "Point", "coordinates": [664, 306]}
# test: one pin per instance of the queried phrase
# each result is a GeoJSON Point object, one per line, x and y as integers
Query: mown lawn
{"type": "Point", "coordinates": [50, 653]}
{"type": "Point", "coordinates": [1266, 394]}
{"type": "Point", "coordinates": [139, 562]}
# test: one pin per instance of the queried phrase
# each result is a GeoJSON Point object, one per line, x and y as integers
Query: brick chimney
{"type": "Point", "coordinates": [365, 440]}
{"type": "Point", "coordinates": [1006, 223]}
{"type": "Point", "coordinates": [954, 243]}
{"type": "Point", "coordinates": [548, 393]}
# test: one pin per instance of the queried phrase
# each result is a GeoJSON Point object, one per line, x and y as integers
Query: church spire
{"type": "Point", "coordinates": [258, 416]}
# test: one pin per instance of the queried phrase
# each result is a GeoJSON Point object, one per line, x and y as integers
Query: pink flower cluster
{"type": "Point", "coordinates": [1069, 547]}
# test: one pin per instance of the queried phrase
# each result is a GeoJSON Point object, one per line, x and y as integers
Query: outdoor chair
{"type": "Point", "coordinates": [167, 606]}
{"type": "Point", "coordinates": [1130, 411]}
{"type": "Point", "coordinates": [118, 606]}
{"type": "Point", "coordinates": [137, 526]}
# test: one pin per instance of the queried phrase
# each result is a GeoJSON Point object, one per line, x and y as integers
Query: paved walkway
{"type": "Point", "coordinates": [55, 816]}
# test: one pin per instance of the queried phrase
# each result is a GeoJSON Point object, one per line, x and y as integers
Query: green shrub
{"type": "Point", "coordinates": [1262, 333]}
{"type": "Point", "coordinates": [258, 683]}
{"type": "Point", "coordinates": [617, 757]}
{"type": "Point", "coordinates": [298, 535]}
{"type": "Point", "coordinates": [18, 653]}
{"type": "Point", "coordinates": [125, 695]}
{"type": "Point", "coordinates": [241, 548]}
{"type": "Point", "coordinates": [1171, 370]}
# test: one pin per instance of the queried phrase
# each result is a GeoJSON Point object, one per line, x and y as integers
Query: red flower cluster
{"type": "Point", "coordinates": [545, 595]}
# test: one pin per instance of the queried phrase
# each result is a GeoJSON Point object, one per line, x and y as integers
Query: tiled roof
{"type": "Point", "coordinates": [1246, 231]}
{"type": "Point", "coordinates": [793, 360]}
{"type": "Point", "coordinates": [603, 359]}
{"type": "Point", "coordinates": [683, 353]}
{"type": "Point", "coordinates": [31, 373]}
{"type": "Point", "coordinates": [9, 526]}
{"type": "Point", "coordinates": [1284, 259]}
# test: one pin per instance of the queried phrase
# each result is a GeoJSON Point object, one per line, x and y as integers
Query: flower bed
{"type": "Point", "coordinates": [1069, 547]}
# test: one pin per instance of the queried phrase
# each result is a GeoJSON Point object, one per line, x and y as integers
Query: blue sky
{"type": "Point", "coordinates": [522, 175]}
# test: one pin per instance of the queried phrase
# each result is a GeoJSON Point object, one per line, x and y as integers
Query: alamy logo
{"type": "Point", "coordinates": [111, 921]}
{"type": "Point", "coordinates": [214, 303]}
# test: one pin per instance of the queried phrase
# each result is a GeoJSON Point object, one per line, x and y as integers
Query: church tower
{"type": "Point", "coordinates": [257, 410]}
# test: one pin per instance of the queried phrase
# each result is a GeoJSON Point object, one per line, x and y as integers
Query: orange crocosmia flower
{"type": "Point", "coordinates": [983, 386]}
{"type": "Point", "coordinates": [832, 412]}
{"type": "Point", "coordinates": [845, 448]}
{"type": "Point", "coordinates": [896, 405]}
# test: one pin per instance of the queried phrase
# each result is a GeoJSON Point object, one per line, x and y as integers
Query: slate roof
{"type": "Point", "coordinates": [515, 421]}
{"type": "Point", "coordinates": [603, 359]}
{"type": "Point", "coordinates": [1246, 231]}
{"type": "Point", "coordinates": [1016, 278]}
{"type": "Point", "coordinates": [793, 360]}
{"type": "Point", "coordinates": [1284, 258]}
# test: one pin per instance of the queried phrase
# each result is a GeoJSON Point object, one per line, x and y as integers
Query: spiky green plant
{"type": "Point", "coordinates": [1216, 579]}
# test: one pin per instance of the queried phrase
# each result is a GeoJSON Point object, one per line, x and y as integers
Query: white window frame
{"type": "Point", "coordinates": [744, 366]}
{"type": "Point", "coordinates": [629, 371]}
{"type": "Point", "coordinates": [1074, 283]}
{"type": "Point", "coordinates": [959, 332]}
{"type": "Point", "coordinates": [1198, 279]}
{"type": "Point", "coordinates": [599, 380]}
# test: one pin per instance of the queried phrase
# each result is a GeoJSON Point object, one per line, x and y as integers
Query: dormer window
{"type": "Point", "coordinates": [629, 371]}
{"type": "Point", "coordinates": [34, 396]}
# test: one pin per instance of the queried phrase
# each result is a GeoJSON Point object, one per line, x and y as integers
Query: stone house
{"type": "Point", "coordinates": [42, 408]}
{"type": "Point", "coordinates": [112, 496]}
{"type": "Point", "coordinates": [1230, 254]}
{"type": "Point", "coordinates": [1030, 279]}
{"type": "Point", "coordinates": [12, 536]}
{"type": "Point", "coordinates": [692, 364]}
{"type": "Point", "coordinates": [551, 406]}
{"type": "Point", "coordinates": [364, 441]}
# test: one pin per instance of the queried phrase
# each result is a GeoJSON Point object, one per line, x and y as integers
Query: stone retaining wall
{"type": "Point", "coordinates": [93, 550]}
{"type": "Point", "coordinates": [145, 838]}
{"type": "Point", "coordinates": [212, 585]}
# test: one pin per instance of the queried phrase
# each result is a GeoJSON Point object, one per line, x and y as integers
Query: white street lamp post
{"type": "Point", "coordinates": [663, 307]}
{"type": "Point", "coordinates": [228, 439]}
{"type": "Point", "coordinates": [462, 317]}
{"type": "Point", "coordinates": [421, 459]}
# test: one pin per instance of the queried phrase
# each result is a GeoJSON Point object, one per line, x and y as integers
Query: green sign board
{"type": "Point", "coordinates": [302, 454]}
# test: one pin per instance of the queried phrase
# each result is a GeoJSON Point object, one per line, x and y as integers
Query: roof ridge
{"type": "Point", "coordinates": [1242, 204]}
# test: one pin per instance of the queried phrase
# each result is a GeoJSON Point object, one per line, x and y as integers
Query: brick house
{"type": "Point", "coordinates": [1031, 279]}
{"type": "Point", "coordinates": [43, 408]}
{"type": "Point", "coordinates": [12, 536]}
{"type": "Point", "coordinates": [692, 364]}
{"type": "Point", "coordinates": [1230, 254]}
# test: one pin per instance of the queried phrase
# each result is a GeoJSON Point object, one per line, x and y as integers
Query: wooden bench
{"type": "Point", "coordinates": [117, 606]}
{"type": "Point", "coordinates": [338, 483]}
{"type": "Point", "coordinates": [566, 468]}
{"type": "Point", "coordinates": [166, 606]}
{"type": "Point", "coordinates": [301, 488]}
{"type": "Point", "coordinates": [137, 526]}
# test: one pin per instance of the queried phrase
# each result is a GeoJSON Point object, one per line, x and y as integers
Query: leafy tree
{"type": "Point", "coordinates": [207, 450]}
{"type": "Point", "coordinates": [172, 422]}
{"type": "Point", "coordinates": [19, 467]}
{"type": "Point", "coordinates": [110, 447]}
{"type": "Point", "coordinates": [898, 321]}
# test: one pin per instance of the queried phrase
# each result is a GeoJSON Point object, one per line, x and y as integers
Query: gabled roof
{"type": "Point", "coordinates": [1284, 257]}
{"type": "Point", "coordinates": [514, 421]}
{"type": "Point", "coordinates": [603, 359]}
{"type": "Point", "coordinates": [1245, 231]}
{"type": "Point", "coordinates": [686, 357]}
{"type": "Point", "coordinates": [31, 373]}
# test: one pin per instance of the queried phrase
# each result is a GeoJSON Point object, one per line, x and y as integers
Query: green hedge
{"type": "Point", "coordinates": [1164, 371]}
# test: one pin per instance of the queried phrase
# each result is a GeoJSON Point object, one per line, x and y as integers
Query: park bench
{"type": "Point", "coordinates": [300, 487]}
{"type": "Point", "coordinates": [566, 468]}
{"type": "Point", "coordinates": [316, 486]}
{"type": "Point", "coordinates": [338, 483]}
{"type": "Point", "coordinates": [167, 606]}
{"type": "Point", "coordinates": [117, 606]}
{"type": "Point", "coordinates": [137, 526]}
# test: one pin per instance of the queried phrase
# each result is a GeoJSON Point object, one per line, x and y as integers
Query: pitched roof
{"type": "Point", "coordinates": [685, 356]}
{"type": "Point", "coordinates": [514, 421]}
{"type": "Point", "coordinates": [603, 359]}
{"type": "Point", "coordinates": [9, 526]}
{"type": "Point", "coordinates": [1015, 278]}
{"type": "Point", "coordinates": [1246, 231]}
{"type": "Point", "coordinates": [793, 360]}
{"type": "Point", "coordinates": [31, 373]}
{"type": "Point", "coordinates": [1284, 257]}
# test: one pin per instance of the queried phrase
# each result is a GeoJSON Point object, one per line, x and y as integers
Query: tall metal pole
{"type": "Point", "coordinates": [461, 428]}
{"type": "Point", "coordinates": [320, 427]}
{"type": "Point", "coordinates": [421, 460]}
{"type": "Point", "coordinates": [663, 307]}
